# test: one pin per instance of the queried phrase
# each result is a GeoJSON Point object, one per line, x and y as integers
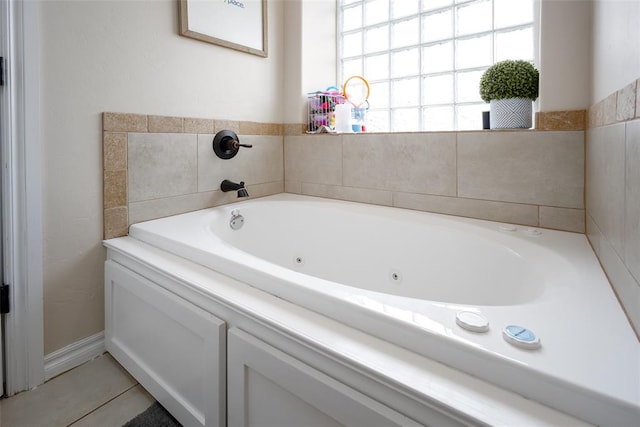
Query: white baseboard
{"type": "Point", "coordinates": [73, 355]}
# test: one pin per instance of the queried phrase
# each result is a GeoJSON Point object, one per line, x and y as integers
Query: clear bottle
{"type": "Point", "coordinates": [358, 115]}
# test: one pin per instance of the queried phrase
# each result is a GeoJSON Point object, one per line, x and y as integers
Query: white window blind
{"type": "Point", "coordinates": [424, 58]}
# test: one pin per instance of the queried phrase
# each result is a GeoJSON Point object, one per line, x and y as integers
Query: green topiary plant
{"type": "Point", "coordinates": [510, 79]}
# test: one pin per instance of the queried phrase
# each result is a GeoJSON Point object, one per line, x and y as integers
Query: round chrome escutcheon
{"type": "Point", "coordinates": [237, 220]}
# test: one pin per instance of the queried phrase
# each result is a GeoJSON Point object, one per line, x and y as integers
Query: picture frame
{"type": "Point", "coordinates": [235, 24]}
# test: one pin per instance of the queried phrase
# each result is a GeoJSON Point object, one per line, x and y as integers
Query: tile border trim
{"type": "Point", "coordinates": [127, 122]}
{"type": "Point", "coordinates": [619, 107]}
{"type": "Point", "coordinates": [562, 120]}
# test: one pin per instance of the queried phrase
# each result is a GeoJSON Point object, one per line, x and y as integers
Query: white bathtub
{"type": "Point", "coordinates": [403, 276]}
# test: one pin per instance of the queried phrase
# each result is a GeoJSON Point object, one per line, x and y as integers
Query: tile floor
{"type": "Point", "coordinates": [99, 393]}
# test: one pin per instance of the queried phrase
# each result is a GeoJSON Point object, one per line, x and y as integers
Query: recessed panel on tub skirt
{"type": "Point", "coordinates": [174, 349]}
{"type": "Point", "coordinates": [267, 387]}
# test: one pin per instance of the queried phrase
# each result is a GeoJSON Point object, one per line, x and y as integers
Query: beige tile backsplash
{"type": "Point", "coordinates": [116, 222]}
{"type": "Point", "coordinates": [158, 208]}
{"type": "Point", "coordinates": [163, 124]}
{"type": "Point", "coordinates": [423, 163]}
{"type": "Point", "coordinates": [472, 208]}
{"type": "Point", "coordinates": [162, 165]}
{"type": "Point", "coordinates": [632, 199]}
{"type": "Point", "coordinates": [504, 176]}
{"type": "Point", "coordinates": [261, 163]}
{"type": "Point", "coordinates": [115, 151]}
{"type": "Point", "coordinates": [638, 98]}
{"type": "Point", "coordinates": [354, 194]}
{"type": "Point", "coordinates": [157, 166]}
{"type": "Point", "coordinates": [314, 159]}
{"type": "Point", "coordinates": [115, 188]}
{"type": "Point", "coordinates": [538, 168]}
{"type": "Point", "coordinates": [613, 192]}
{"type": "Point", "coordinates": [192, 125]}
{"type": "Point", "coordinates": [626, 102]}
{"type": "Point", "coordinates": [610, 108]}
{"type": "Point", "coordinates": [562, 218]}
{"type": "Point", "coordinates": [119, 122]}
{"type": "Point", "coordinates": [561, 120]}
{"type": "Point", "coordinates": [605, 189]}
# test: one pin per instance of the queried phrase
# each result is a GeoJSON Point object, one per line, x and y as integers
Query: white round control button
{"type": "Point", "coordinates": [471, 321]}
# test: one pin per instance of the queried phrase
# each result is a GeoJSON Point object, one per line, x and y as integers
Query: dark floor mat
{"type": "Point", "coordinates": [154, 416]}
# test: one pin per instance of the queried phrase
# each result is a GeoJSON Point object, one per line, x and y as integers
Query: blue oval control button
{"type": "Point", "coordinates": [521, 337]}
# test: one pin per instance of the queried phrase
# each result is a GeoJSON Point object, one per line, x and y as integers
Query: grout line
{"type": "Point", "coordinates": [105, 403]}
{"type": "Point", "coordinates": [197, 162]}
{"type": "Point", "coordinates": [284, 160]}
{"type": "Point", "coordinates": [597, 252]}
{"type": "Point", "coordinates": [342, 160]}
{"type": "Point", "coordinates": [457, 171]}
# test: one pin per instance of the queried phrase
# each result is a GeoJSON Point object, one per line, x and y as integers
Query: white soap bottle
{"type": "Point", "coordinates": [343, 117]}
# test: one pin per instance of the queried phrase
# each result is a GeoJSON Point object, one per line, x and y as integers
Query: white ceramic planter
{"type": "Point", "coordinates": [511, 113]}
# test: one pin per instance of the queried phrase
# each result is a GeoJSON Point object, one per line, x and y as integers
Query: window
{"type": "Point", "coordinates": [424, 58]}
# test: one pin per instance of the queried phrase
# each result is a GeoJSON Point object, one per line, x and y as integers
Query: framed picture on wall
{"type": "Point", "coordinates": [236, 24]}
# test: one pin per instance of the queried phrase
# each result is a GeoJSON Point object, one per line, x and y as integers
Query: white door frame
{"type": "Point", "coordinates": [22, 195]}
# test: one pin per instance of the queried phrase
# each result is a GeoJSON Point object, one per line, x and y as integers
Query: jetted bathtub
{"type": "Point", "coordinates": [403, 276]}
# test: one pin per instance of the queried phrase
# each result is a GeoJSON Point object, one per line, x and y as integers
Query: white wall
{"type": "Point", "coordinates": [310, 47]}
{"type": "Point", "coordinates": [293, 96]}
{"type": "Point", "coordinates": [565, 54]}
{"type": "Point", "coordinates": [318, 45]}
{"type": "Point", "coordinates": [616, 46]}
{"type": "Point", "coordinates": [123, 56]}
